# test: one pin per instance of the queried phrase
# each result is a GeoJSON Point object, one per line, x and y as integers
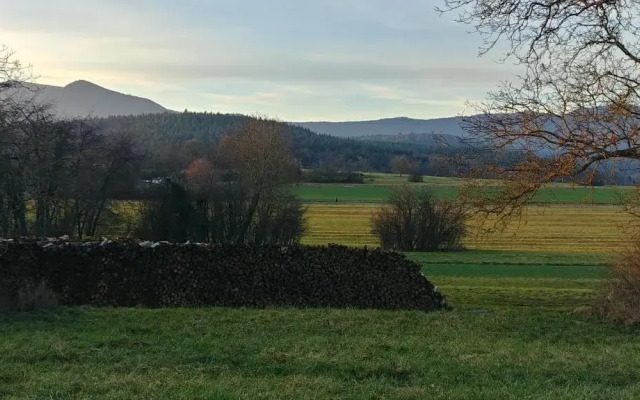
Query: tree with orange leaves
{"type": "Point", "coordinates": [200, 176]}
{"type": "Point", "coordinates": [261, 155]}
{"type": "Point", "coordinates": [238, 196]}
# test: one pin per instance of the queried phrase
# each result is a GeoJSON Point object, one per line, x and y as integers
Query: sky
{"type": "Point", "coordinates": [296, 60]}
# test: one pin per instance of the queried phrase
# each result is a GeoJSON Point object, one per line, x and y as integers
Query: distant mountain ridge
{"type": "Point", "coordinates": [82, 99]}
{"type": "Point", "coordinates": [387, 126]}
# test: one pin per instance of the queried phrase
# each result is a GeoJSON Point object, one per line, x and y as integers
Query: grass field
{"type": "Point", "coordinates": [328, 193]}
{"type": "Point", "coordinates": [517, 328]}
{"type": "Point", "coordinates": [315, 354]}
{"type": "Point", "coordinates": [377, 188]}
{"type": "Point", "coordinates": [507, 279]}
{"type": "Point", "coordinates": [552, 229]}
{"type": "Point", "coordinates": [512, 334]}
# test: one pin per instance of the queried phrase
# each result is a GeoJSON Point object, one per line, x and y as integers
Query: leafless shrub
{"type": "Point", "coordinates": [413, 220]}
{"type": "Point", "coordinates": [620, 301]}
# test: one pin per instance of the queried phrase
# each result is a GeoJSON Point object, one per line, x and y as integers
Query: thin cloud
{"type": "Point", "coordinates": [329, 58]}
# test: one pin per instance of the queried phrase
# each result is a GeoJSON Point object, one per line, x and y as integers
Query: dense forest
{"type": "Point", "coordinates": [172, 137]}
{"type": "Point", "coordinates": [433, 140]}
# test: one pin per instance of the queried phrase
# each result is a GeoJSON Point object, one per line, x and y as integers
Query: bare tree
{"type": "Point", "coordinates": [101, 168]}
{"type": "Point", "coordinates": [575, 105]}
{"type": "Point", "coordinates": [403, 165]}
{"type": "Point", "coordinates": [412, 220]}
{"type": "Point", "coordinates": [400, 165]}
{"type": "Point", "coordinates": [14, 109]}
{"type": "Point", "coordinates": [263, 158]}
{"type": "Point", "coordinates": [56, 176]}
{"type": "Point", "coordinates": [64, 173]}
{"type": "Point", "coordinates": [14, 75]}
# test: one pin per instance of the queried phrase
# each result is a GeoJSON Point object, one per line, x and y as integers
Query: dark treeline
{"type": "Point", "coordinates": [188, 134]}
{"type": "Point", "coordinates": [58, 176]}
{"type": "Point", "coordinates": [171, 141]}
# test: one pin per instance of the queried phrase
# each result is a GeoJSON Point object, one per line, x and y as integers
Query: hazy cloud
{"type": "Point", "coordinates": [328, 59]}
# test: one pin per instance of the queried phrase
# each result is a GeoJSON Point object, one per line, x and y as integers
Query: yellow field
{"type": "Point", "coordinates": [569, 228]}
{"type": "Point", "coordinates": [560, 228]}
{"type": "Point", "coordinates": [347, 224]}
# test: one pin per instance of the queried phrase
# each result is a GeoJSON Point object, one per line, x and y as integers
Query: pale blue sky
{"type": "Point", "coordinates": [291, 59]}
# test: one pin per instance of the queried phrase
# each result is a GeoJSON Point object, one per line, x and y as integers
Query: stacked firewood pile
{"type": "Point", "coordinates": [169, 275]}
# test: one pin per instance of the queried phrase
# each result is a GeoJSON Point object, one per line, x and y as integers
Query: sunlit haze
{"type": "Point", "coordinates": [295, 60]}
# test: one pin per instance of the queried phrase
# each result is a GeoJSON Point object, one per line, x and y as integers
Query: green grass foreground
{"type": "Point", "coordinates": [513, 334]}
{"type": "Point", "coordinates": [315, 354]}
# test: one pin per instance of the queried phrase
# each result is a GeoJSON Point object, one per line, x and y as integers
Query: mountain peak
{"type": "Point", "coordinates": [82, 98]}
{"type": "Point", "coordinates": [82, 84]}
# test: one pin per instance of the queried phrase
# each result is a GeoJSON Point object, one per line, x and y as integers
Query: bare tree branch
{"type": "Point", "coordinates": [577, 104]}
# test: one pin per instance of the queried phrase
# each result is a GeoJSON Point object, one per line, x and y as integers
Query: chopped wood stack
{"type": "Point", "coordinates": [176, 275]}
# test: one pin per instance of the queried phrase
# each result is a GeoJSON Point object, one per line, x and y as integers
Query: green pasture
{"type": "Point", "coordinates": [377, 193]}
{"type": "Point", "coordinates": [354, 193]}
{"type": "Point", "coordinates": [515, 331]}
{"type": "Point", "coordinates": [494, 257]}
{"type": "Point", "coordinates": [508, 279]}
{"type": "Point", "coordinates": [513, 353]}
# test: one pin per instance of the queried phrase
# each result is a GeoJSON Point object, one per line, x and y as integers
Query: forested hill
{"type": "Point", "coordinates": [428, 139]}
{"type": "Point", "coordinates": [313, 150]}
{"type": "Point", "coordinates": [387, 126]}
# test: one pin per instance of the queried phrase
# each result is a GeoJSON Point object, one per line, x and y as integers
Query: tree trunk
{"type": "Point", "coordinates": [247, 222]}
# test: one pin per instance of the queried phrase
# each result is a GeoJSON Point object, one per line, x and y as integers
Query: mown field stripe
{"type": "Point", "coordinates": [521, 271]}
{"type": "Point", "coordinates": [369, 193]}
{"type": "Point", "coordinates": [557, 229]}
